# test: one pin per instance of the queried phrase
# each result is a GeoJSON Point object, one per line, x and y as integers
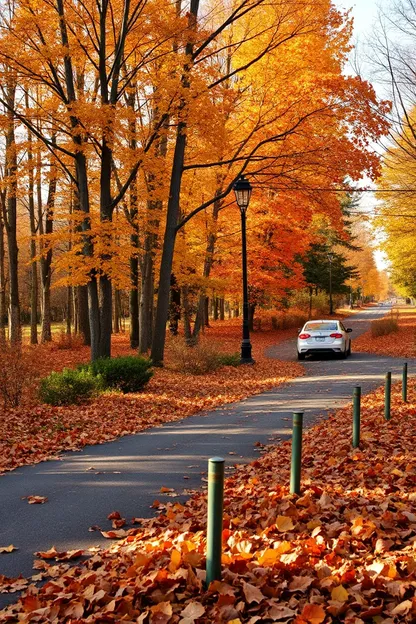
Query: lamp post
{"type": "Point", "coordinates": [242, 190]}
{"type": "Point", "coordinates": [331, 307]}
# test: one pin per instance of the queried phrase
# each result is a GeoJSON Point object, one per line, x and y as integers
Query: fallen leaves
{"type": "Point", "coordinates": [397, 344]}
{"type": "Point", "coordinates": [33, 432]}
{"type": "Point", "coordinates": [7, 549]}
{"type": "Point", "coordinates": [66, 555]}
{"type": "Point", "coordinates": [35, 500]}
{"type": "Point", "coordinates": [343, 551]}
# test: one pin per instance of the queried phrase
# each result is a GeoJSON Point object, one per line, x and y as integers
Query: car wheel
{"type": "Point", "coordinates": [349, 349]}
{"type": "Point", "coordinates": [301, 356]}
{"type": "Point", "coordinates": [343, 354]}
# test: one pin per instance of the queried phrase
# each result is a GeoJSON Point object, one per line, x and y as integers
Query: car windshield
{"type": "Point", "coordinates": [321, 326]}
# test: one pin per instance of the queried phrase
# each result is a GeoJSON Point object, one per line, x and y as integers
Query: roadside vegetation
{"type": "Point", "coordinates": [394, 335]}
{"type": "Point", "coordinates": [192, 380]}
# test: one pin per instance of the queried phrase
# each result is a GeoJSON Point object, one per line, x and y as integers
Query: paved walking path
{"type": "Point", "coordinates": [127, 474]}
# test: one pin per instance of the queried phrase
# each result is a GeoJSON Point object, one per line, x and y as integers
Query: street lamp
{"type": "Point", "coordinates": [242, 189]}
{"type": "Point", "coordinates": [331, 307]}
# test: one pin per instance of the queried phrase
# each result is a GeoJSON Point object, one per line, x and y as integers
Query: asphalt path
{"type": "Point", "coordinates": [127, 474]}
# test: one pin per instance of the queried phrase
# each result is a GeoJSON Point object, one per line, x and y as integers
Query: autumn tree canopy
{"type": "Point", "coordinates": [125, 125]}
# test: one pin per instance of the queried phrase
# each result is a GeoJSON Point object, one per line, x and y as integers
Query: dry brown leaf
{"type": "Point", "coordinates": [7, 549]}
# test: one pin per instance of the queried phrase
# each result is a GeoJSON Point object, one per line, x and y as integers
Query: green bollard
{"type": "Point", "coordinates": [387, 396]}
{"type": "Point", "coordinates": [356, 416]}
{"type": "Point", "coordinates": [214, 525]}
{"type": "Point", "coordinates": [295, 467]}
{"type": "Point", "coordinates": [404, 383]}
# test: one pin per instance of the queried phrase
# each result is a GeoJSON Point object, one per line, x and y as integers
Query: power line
{"type": "Point", "coordinates": [347, 190]}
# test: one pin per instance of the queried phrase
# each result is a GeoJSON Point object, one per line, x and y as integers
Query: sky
{"type": "Point", "coordinates": [364, 12]}
{"type": "Point", "coordinates": [365, 16]}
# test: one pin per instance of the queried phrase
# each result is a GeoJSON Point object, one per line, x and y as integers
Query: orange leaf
{"type": "Point", "coordinates": [313, 613]}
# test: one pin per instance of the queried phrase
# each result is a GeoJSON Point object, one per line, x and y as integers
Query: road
{"type": "Point", "coordinates": [127, 474]}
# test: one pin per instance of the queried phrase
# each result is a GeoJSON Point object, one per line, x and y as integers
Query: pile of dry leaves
{"type": "Point", "coordinates": [343, 551]}
{"type": "Point", "coordinates": [34, 432]}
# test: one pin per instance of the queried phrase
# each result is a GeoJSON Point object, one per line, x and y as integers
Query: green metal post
{"type": "Point", "coordinates": [214, 525]}
{"type": "Point", "coordinates": [295, 468]}
{"type": "Point", "coordinates": [404, 383]}
{"type": "Point", "coordinates": [356, 416]}
{"type": "Point", "coordinates": [387, 396]}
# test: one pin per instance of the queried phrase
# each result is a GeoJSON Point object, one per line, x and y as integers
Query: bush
{"type": "Point", "coordinates": [128, 373]}
{"type": "Point", "coordinates": [16, 373]}
{"type": "Point", "coordinates": [385, 326]}
{"type": "Point", "coordinates": [229, 359]}
{"type": "Point", "coordinates": [68, 387]}
{"type": "Point", "coordinates": [64, 341]}
{"type": "Point", "coordinates": [201, 358]}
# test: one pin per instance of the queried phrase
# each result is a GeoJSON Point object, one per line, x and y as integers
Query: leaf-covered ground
{"type": "Point", "coordinates": [35, 432]}
{"type": "Point", "coordinates": [397, 344]}
{"type": "Point", "coordinates": [343, 551]}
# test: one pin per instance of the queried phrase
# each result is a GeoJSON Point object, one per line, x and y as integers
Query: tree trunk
{"type": "Point", "coordinates": [68, 310]}
{"type": "Point", "coordinates": [32, 221]}
{"type": "Point", "coordinates": [134, 303]}
{"type": "Point", "coordinates": [15, 331]}
{"type": "Point", "coordinates": [172, 216]}
{"type": "Point", "coordinates": [154, 208]}
{"type": "Point", "coordinates": [3, 309]}
{"type": "Point", "coordinates": [75, 309]}
{"type": "Point", "coordinates": [146, 298]}
{"type": "Point", "coordinates": [206, 312]}
{"type": "Point", "coordinates": [187, 317]}
{"type": "Point", "coordinates": [216, 308]}
{"type": "Point", "coordinates": [46, 256]}
{"type": "Point", "coordinates": [116, 327]}
{"type": "Point", "coordinates": [222, 309]}
{"type": "Point", "coordinates": [83, 318]}
{"type": "Point", "coordinates": [174, 306]}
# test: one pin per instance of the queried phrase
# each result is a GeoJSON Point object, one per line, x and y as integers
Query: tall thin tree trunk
{"type": "Point", "coordinates": [3, 309]}
{"type": "Point", "coordinates": [116, 326]}
{"type": "Point", "coordinates": [46, 256]}
{"type": "Point", "coordinates": [68, 310]}
{"type": "Point", "coordinates": [83, 319]}
{"type": "Point", "coordinates": [172, 216]}
{"type": "Point", "coordinates": [216, 308]}
{"type": "Point", "coordinates": [32, 221]}
{"type": "Point", "coordinates": [202, 314]}
{"type": "Point", "coordinates": [175, 306]}
{"type": "Point", "coordinates": [154, 208]}
{"type": "Point", "coordinates": [187, 316]}
{"type": "Point", "coordinates": [15, 330]}
{"type": "Point", "coordinates": [75, 310]}
{"type": "Point", "coordinates": [134, 302]}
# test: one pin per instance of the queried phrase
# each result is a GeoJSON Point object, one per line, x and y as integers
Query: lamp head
{"type": "Point", "coordinates": [242, 189]}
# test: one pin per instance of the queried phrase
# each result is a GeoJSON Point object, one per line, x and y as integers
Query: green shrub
{"type": "Point", "coordinates": [68, 387]}
{"type": "Point", "coordinates": [229, 359]}
{"type": "Point", "coordinates": [128, 373]}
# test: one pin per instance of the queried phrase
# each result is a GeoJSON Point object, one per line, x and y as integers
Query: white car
{"type": "Point", "coordinates": [325, 336]}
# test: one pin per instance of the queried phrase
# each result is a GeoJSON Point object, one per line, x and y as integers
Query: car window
{"type": "Point", "coordinates": [342, 327]}
{"type": "Point", "coordinates": [321, 326]}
